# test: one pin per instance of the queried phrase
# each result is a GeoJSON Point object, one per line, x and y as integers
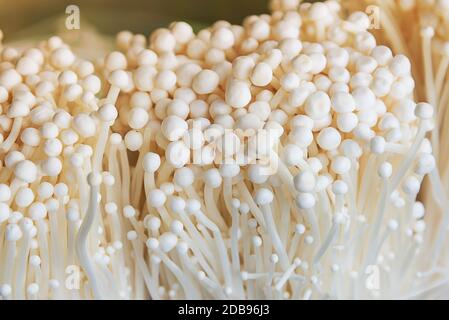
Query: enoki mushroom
{"type": "Point", "coordinates": [279, 159]}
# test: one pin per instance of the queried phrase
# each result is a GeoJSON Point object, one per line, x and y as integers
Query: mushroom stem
{"type": "Point", "coordinates": [13, 134]}
{"type": "Point", "coordinates": [81, 240]}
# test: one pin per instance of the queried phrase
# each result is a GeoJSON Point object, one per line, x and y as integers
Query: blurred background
{"type": "Point", "coordinates": [24, 22]}
{"type": "Point", "coordinates": [24, 18]}
{"type": "Point", "coordinates": [111, 16]}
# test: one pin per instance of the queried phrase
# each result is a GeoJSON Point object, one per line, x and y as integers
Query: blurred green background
{"type": "Point", "coordinates": [24, 22]}
{"type": "Point", "coordinates": [22, 18]}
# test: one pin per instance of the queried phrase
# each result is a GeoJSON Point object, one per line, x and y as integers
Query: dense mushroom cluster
{"type": "Point", "coordinates": [426, 42]}
{"type": "Point", "coordinates": [277, 159]}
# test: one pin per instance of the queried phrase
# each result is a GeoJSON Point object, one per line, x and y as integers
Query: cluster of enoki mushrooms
{"type": "Point", "coordinates": [278, 159]}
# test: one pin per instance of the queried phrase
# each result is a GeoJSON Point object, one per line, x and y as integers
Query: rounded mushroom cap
{"type": "Point", "coordinates": [263, 196]}
{"type": "Point", "coordinates": [26, 171]}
